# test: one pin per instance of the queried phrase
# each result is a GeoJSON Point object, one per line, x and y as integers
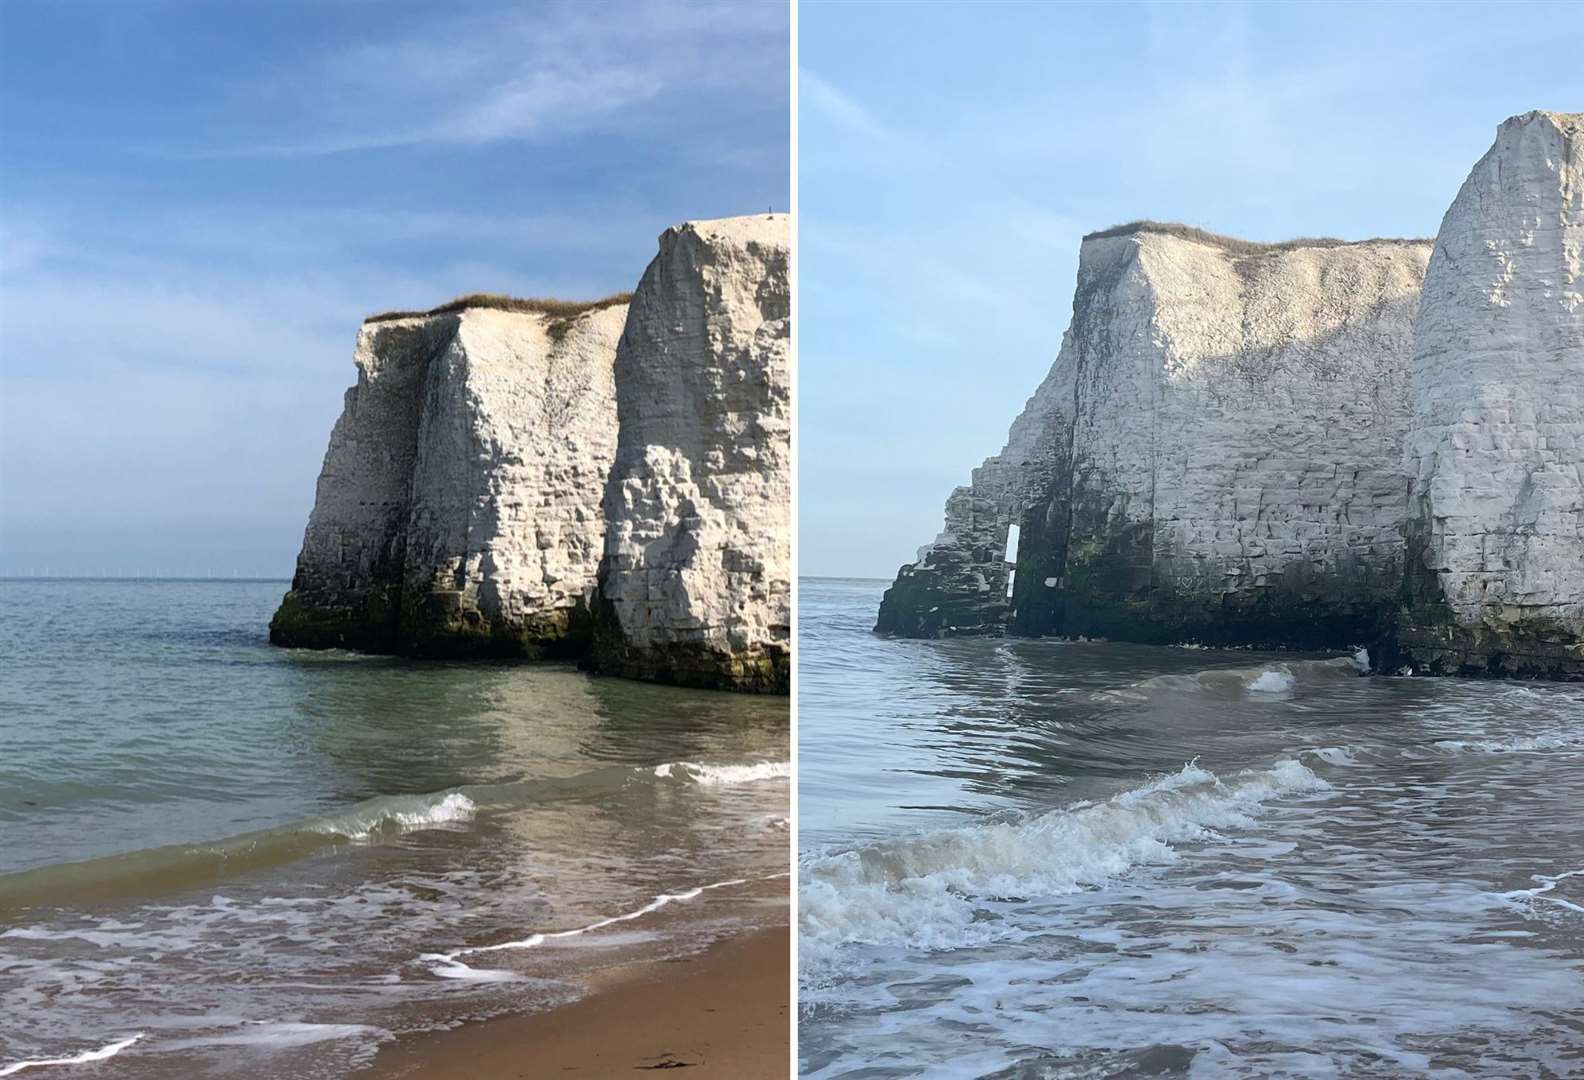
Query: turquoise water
{"type": "Point", "coordinates": [247, 858]}
{"type": "Point", "coordinates": [1029, 859]}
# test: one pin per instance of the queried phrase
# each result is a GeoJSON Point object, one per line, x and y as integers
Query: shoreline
{"type": "Point", "coordinates": [724, 1012]}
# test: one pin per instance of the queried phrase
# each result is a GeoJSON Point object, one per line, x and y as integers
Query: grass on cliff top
{"type": "Point", "coordinates": [1232, 243]}
{"type": "Point", "coordinates": [564, 310]}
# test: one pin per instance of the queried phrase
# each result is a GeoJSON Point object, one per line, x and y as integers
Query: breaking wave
{"type": "Point", "coordinates": [1261, 680]}
{"type": "Point", "coordinates": [180, 866]}
{"type": "Point", "coordinates": [724, 775]}
{"type": "Point", "coordinates": [1272, 681]}
{"type": "Point", "coordinates": [932, 891]}
{"type": "Point", "coordinates": [398, 812]}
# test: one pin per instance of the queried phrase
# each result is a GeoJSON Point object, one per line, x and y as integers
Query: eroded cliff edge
{"type": "Point", "coordinates": [1279, 445]}
{"type": "Point", "coordinates": [1496, 446]}
{"type": "Point", "coordinates": [462, 506]}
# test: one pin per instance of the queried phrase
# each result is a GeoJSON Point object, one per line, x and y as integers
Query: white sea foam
{"type": "Point", "coordinates": [80, 1059]}
{"type": "Point", "coordinates": [928, 891]}
{"type": "Point", "coordinates": [1333, 755]}
{"type": "Point", "coordinates": [279, 1035]}
{"type": "Point", "coordinates": [450, 966]}
{"type": "Point", "coordinates": [1553, 740]}
{"type": "Point", "coordinates": [398, 812]}
{"type": "Point", "coordinates": [1276, 680]}
{"type": "Point", "coordinates": [1525, 899]}
{"type": "Point", "coordinates": [724, 775]}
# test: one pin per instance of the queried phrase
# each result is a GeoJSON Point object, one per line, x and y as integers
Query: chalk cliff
{"type": "Point", "coordinates": [1496, 445]}
{"type": "Point", "coordinates": [538, 478]}
{"type": "Point", "coordinates": [696, 584]}
{"type": "Point", "coordinates": [1215, 455]}
{"type": "Point", "coordinates": [1309, 444]}
{"type": "Point", "coordinates": [459, 508]}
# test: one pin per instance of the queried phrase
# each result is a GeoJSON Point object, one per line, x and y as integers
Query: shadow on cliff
{"type": "Point", "coordinates": [1322, 568]}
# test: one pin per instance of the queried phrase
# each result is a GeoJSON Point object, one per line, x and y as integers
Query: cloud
{"type": "Point", "coordinates": [838, 107]}
{"type": "Point", "coordinates": [530, 73]}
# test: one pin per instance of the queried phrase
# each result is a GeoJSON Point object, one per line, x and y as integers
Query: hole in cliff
{"type": "Point", "coordinates": [1011, 558]}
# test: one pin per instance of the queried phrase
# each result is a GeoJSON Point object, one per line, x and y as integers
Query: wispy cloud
{"type": "Point", "coordinates": [530, 73]}
{"type": "Point", "coordinates": [840, 108]}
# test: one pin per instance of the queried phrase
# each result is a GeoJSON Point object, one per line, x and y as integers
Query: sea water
{"type": "Point", "coordinates": [1079, 859]}
{"type": "Point", "coordinates": [221, 858]}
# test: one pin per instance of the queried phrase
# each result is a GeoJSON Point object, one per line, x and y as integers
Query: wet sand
{"type": "Point", "coordinates": [723, 1013]}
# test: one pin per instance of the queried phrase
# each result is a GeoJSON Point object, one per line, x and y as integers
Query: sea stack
{"type": "Point", "coordinates": [459, 508]}
{"type": "Point", "coordinates": [582, 480]}
{"type": "Point", "coordinates": [1496, 448]}
{"type": "Point", "coordinates": [1215, 455]}
{"type": "Point", "coordinates": [696, 582]}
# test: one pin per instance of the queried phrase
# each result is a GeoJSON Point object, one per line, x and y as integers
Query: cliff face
{"type": "Point", "coordinates": [525, 478]}
{"type": "Point", "coordinates": [1311, 444]}
{"type": "Point", "coordinates": [1214, 455]}
{"type": "Point", "coordinates": [696, 583]}
{"type": "Point", "coordinates": [459, 508]}
{"type": "Point", "coordinates": [1496, 449]}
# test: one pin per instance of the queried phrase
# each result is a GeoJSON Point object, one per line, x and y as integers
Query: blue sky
{"type": "Point", "coordinates": [950, 161]}
{"type": "Point", "coordinates": [200, 201]}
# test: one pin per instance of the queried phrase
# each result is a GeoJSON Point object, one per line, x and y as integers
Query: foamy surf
{"type": "Point", "coordinates": [1272, 681]}
{"type": "Point", "coordinates": [1552, 740]}
{"type": "Point", "coordinates": [1368, 931]}
{"type": "Point", "coordinates": [450, 966]}
{"type": "Point", "coordinates": [84, 1058]}
{"type": "Point", "coordinates": [1526, 899]}
{"type": "Point", "coordinates": [927, 891]}
{"type": "Point", "coordinates": [277, 1035]}
{"type": "Point", "coordinates": [723, 775]}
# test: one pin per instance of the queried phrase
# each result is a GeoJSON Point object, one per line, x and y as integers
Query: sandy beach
{"type": "Point", "coordinates": [722, 1013]}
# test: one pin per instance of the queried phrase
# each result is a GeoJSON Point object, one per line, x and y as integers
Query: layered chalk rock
{"type": "Point", "coordinates": [1496, 448]}
{"type": "Point", "coordinates": [696, 584]}
{"type": "Point", "coordinates": [1215, 455]}
{"type": "Point", "coordinates": [459, 507]}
